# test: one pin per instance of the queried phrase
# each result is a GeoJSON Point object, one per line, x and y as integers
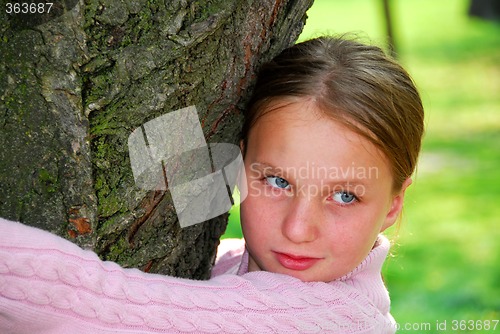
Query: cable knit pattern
{"type": "Point", "coordinates": [49, 285]}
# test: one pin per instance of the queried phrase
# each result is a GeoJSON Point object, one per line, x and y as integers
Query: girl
{"type": "Point", "coordinates": [330, 141]}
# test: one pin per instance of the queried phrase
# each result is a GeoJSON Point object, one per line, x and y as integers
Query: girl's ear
{"type": "Point", "coordinates": [396, 205]}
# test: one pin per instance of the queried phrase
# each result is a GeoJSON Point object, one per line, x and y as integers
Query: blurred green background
{"type": "Point", "coordinates": [445, 264]}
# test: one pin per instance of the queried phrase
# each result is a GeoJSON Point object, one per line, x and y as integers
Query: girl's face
{"type": "Point", "coordinates": [318, 194]}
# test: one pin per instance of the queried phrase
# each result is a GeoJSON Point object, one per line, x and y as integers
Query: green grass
{"type": "Point", "coordinates": [446, 262]}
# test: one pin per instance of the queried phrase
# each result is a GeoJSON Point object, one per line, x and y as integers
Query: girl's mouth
{"type": "Point", "coordinates": [294, 262]}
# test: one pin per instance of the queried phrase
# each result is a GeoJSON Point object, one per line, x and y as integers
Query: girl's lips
{"type": "Point", "coordinates": [294, 262]}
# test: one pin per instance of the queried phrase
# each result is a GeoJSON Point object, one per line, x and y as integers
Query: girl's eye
{"type": "Point", "coordinates": [344, 197]}
{"type": "Point", "coordinates": [278, 182]}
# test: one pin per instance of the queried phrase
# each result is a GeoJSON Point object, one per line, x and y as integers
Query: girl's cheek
{"type": "Point", "coordinates": [255, 187]}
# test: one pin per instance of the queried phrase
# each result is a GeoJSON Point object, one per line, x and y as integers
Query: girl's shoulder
{"type": "Point", "coordinates": [229, 257]}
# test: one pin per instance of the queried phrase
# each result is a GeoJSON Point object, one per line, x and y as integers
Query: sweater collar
{"type": "Point", "coordinates": [373, 261]}
{"type": "Point", "coordinates": [243, 268]}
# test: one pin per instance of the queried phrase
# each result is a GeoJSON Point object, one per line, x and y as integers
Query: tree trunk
{"type": "Point", "coordinates": [75, 83]}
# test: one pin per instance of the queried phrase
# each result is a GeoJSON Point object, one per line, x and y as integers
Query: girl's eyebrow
{"type": "Point", "coordinates": [263, 165]}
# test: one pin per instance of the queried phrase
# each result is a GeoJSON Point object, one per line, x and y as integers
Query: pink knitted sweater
{"type": "Point", "coordinates": [50, 285]}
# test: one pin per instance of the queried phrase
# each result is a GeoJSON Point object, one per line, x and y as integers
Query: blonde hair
{"type": "Point", "coordinates": [355, 84]}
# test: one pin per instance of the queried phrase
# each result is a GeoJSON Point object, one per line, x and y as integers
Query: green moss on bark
{"type": "Point", "coordinates": [86, 80]}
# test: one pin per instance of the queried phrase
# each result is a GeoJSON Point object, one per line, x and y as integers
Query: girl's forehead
{"type": "Point", "coordinates": [291, 108]}
{"type": "Point", "coordinates": [292, 113]}
{"type": "Point", "coordinates": [295, 133]}
{"type": "Point", "coordinates": [301, 123]}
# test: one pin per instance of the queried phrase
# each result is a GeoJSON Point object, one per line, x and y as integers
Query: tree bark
{"type": "Point", "coordinates": [75, 84]}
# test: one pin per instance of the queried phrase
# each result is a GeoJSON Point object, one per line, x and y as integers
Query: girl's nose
{"type": "Point", "coordinates": [301, 224]}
